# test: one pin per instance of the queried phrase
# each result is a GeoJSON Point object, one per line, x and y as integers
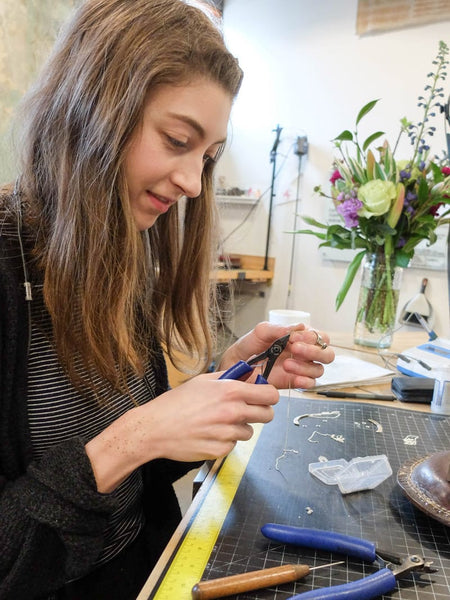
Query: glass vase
{"type": "Point", "coordinates": [378, 301]}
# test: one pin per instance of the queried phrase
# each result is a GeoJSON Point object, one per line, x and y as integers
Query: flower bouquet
{"type": "Point", "coordinates": [388, 206]}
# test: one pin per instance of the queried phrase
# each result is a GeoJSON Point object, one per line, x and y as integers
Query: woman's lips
{"type": "Point", "coordinates": [161, 203]}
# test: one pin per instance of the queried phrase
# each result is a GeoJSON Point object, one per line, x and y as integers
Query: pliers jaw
{"type": "Point", "coordinates": [243, 368]}
{"type": "Point", "coordinates": [411, 563]}
{"type": "Point", "coordinates": [271, 355]}
{"type": "Point", "coordinates": [402, 565]}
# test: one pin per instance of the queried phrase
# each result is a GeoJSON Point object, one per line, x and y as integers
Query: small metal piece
{"type": "Point", "coordinates": [410, 440]}
{"type": "Point", "coordinates": [28, 293]}
{"type": "Point", "coordinates": [333, 414]}
{"type": "Point", "coordinates": [334, 436]}
{"type": "Point", "coordinates": [379, 427]}
{"type": "Point", "coordinates": [299, 418]}
{"type": "Point", "coordinates": [285, 451]}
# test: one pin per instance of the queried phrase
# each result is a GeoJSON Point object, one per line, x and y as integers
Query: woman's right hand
{"type": "Point", "coordinates": [199, 420]}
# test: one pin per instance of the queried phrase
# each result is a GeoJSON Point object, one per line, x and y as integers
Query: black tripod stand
{"type": "Point", "coordinates": [273, 160]}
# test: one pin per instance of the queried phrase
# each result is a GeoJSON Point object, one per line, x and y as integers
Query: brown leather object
{"type": "Point", "coordinates": [424, 480]}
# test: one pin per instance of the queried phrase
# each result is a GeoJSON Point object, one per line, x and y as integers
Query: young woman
{"type": "Point", "coordinates": [105, 258]}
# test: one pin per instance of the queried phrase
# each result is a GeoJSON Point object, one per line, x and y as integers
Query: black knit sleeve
{"type": "Point", "coordinates": [51, 515]}
{"type": "Point", "coordinates": [51, 522]}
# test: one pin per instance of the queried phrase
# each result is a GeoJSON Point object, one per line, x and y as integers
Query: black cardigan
{"type": "Point", "coordinates": [51, 516]}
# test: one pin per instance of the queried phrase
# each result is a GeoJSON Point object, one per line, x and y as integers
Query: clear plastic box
{"type": "Point", "coordinates": [328, 471]}
{"type": "Point", "coordinates": [361, 473]}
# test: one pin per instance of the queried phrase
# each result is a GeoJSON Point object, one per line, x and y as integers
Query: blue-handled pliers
{"type": "Point", "coordinates": [374, 585]}
{"type": "Point", "coordinates": [270, 355]}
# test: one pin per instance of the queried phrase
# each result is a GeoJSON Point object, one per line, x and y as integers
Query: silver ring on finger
{"type": "Point", "coordinates": [319, 341]}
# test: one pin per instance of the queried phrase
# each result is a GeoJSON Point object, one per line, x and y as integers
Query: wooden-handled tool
{"type": "Point", "coordinates": [253, 580]}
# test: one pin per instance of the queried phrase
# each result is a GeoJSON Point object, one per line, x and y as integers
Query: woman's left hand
{"type": "Point", "coordinates": [301, 362]}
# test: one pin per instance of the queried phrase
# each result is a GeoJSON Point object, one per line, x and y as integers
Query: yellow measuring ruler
{"type": "Point", "coordinates": [188, 563]}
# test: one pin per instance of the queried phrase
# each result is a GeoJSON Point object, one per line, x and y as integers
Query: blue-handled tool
{"type": "Point", "coordinates": [321, 540]}
{"type": "Point", "coordinates": [363, 589]}
{"type": "Point", "coordinates": [372, 586]}
{"type": "Point", "coordinates": [270, 355]}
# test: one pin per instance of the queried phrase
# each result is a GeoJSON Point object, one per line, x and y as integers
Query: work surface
{"type": "Point", "coordinates": [277, 487]}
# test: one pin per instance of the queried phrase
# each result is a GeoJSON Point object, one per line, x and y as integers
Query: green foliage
{"type": "Point", "coordinates": [388, 205]}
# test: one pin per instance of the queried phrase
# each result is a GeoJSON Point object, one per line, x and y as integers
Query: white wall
{"type": "Point", "coordinates": [308, 71]}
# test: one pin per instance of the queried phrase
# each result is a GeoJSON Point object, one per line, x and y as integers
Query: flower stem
{"type": "Point", "coordinates": [378, 298]}
{"type": "Point", "coordinates": [441, 62]}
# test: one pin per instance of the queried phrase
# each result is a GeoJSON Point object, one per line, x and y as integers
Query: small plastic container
{"type": "Point", "coordinates": [364, 473]}
{"type": "Point", "coordinates": [361, 473]}
{"type": "Point", "coordinates": [328, 471]}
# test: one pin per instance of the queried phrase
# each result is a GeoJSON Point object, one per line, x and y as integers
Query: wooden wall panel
{"type": "Point", "coordinates": [384, 15]}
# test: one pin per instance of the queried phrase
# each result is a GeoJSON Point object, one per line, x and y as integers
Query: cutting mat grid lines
{"type": "Point", "coordinates": [277, 487]}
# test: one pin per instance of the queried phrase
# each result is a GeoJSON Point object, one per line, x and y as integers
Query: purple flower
{"type": "Point", "coordinates": [410, 198]}
{"type": "Point", "coordinates": [349, 211]}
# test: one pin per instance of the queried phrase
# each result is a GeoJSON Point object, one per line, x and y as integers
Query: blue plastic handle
{"type": "Point", "coordinates": [321, 540]}
{"type": "Point", "coordinates": [237, 370]}
{"type": "Point", "coordinates": [372, 586]}
{"type": "Point", "coordinates": [240, 369]}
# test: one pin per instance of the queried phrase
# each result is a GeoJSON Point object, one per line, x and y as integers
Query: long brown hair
{"type": "Point", "coordinates": [107, 286]}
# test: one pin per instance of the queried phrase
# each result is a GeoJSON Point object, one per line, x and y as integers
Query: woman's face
{"type": "Point", "coordinates": [183, 128]}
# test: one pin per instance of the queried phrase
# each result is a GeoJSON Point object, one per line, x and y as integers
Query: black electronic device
{"type": "Point", "coordinates": [413, 389]}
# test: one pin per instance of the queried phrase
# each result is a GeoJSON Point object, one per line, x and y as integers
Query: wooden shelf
{"type": "Point", "coordinates": [251, 269]}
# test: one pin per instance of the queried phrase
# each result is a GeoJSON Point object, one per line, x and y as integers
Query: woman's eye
{"type": "Point", "coordinates": [176, 143]}
{"type": "Point", "coordinates": [184, 145]}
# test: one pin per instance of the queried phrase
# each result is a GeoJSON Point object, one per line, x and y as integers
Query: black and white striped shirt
{"type": "Point", "coordinates": [57, 412]}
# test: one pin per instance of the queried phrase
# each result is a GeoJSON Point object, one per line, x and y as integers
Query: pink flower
{"type": "Point", "coordinates": [336, 175]}
{"type": "Point", "coordinates": [445, 171]}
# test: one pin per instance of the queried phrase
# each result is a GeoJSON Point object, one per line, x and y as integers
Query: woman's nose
{"type": "Point", "coordinates": [188, 176]}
